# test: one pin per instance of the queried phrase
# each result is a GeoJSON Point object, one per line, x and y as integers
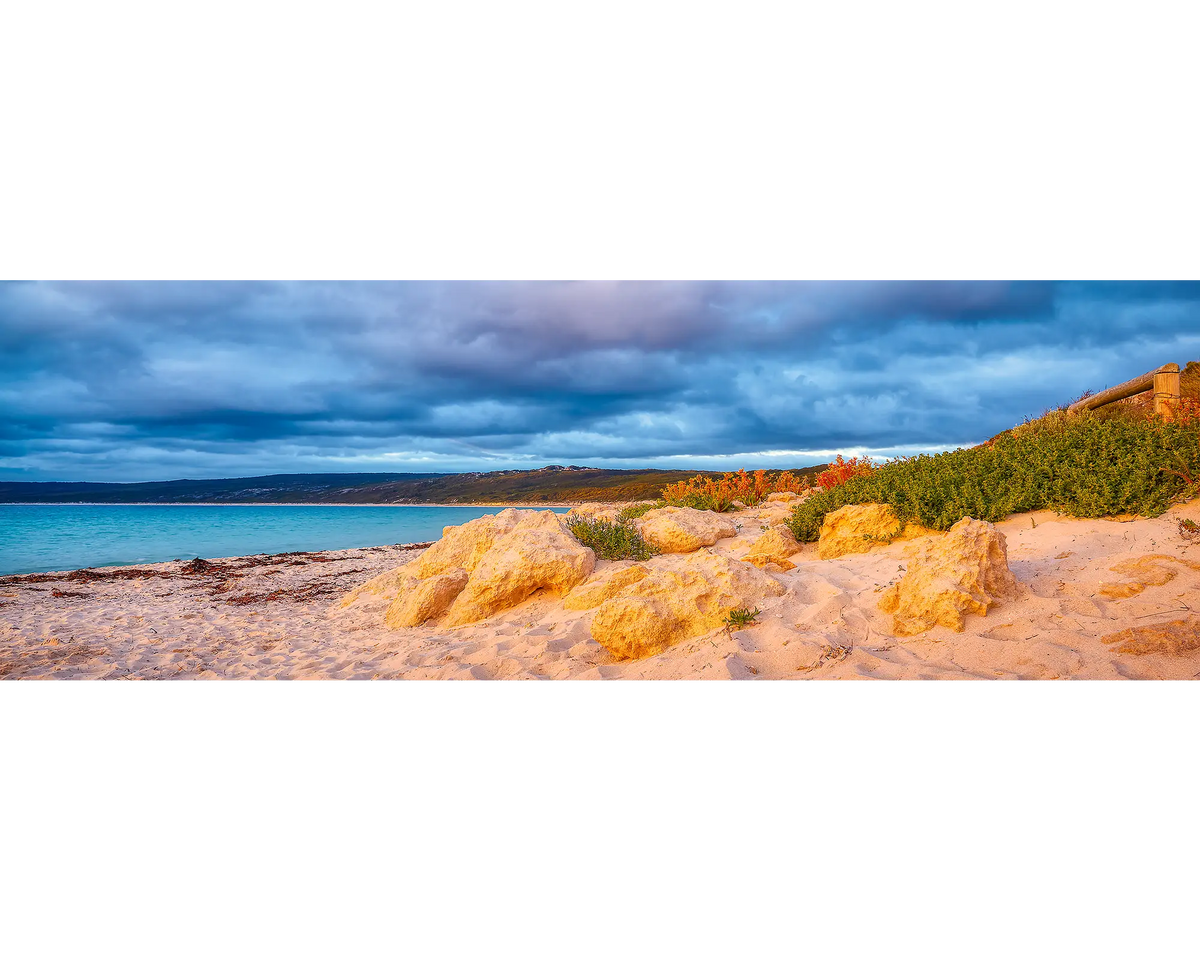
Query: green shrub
{"type": "Point", "coordinates": [610, 541]}
{"type": "Point", "coordinates": [1083, 466]}
{"type": "Point", "coordinates": [638, 510]}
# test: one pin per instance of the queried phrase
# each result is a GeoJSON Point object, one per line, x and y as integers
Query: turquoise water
{"type": "Point", "coordinates": [41, 537]}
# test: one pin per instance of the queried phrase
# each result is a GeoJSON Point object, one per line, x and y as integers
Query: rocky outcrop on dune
{"type": "Point", "coordinates": [857, 528]}
{"type": "Point", "coordinates": [518, 565]}
{"type": "Point", "coordinates": [774, 547]}
{"type": "Point", "coordinates": [964, 571]}
{"type": "Point", "coordinates": [679, 597]}
{"type": "Point", "coordinates": [683, 529]}
{"type": "Point", "coordinates": [466, 545]}
{"type": "Point", "coordinates": [482, 567]}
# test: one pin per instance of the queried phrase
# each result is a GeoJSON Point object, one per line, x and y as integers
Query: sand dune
{"type": "Point", "coordinates": [1098, 599]}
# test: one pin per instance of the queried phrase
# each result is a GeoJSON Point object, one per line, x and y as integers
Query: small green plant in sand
{"type": "Point", "coordinates": [1080, 465]}
{"type": "Point", "coordinates": [638, 510]}
{"type": "Point", "coordinates": [741, 617]}
{"type": "Point", "coordinates": [610, 541]}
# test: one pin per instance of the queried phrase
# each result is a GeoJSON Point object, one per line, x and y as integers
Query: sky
{"type": "Point", "coordinates": [136, 381]}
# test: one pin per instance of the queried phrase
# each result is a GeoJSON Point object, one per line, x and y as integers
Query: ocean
{"type": "Point", "coordinates": [35, 538]}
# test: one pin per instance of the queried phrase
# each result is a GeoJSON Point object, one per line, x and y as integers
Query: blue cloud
{"type": "Point", "coordinates": [135, 381]}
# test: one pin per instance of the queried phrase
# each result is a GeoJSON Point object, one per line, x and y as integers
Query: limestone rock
{"type": "Point", "coordinates": [596, 511]}
{"type": "Point", "coordinates": [517, 565]}
{"type": "Point", "coordinates": [465, 545]}
{"type": "Point", "coordinates": [858, 527]}
{"type": "Point", "coordinates": [791, 499]}
{"type": "Point", "coordinates": [965, 571]}
{"type": "Point", "coordinates": [683, 529]}
{"type": "Point", "coordinates": [422, 600]}
{"type": "Point", "coordinates": [387, 585]}
{"type": "Point", "coordinates": [774, 546]}
{"type": "Point", "coordinates": [679, 597]}
{"type": "Point", "coordinates": [1150, 570]}
{"type": "Point", "coordinates": [604, 584]}
{"type": "Point", "coordinates": [772, 514]}
{"type": "Point", "coordinates": [1173, 638]}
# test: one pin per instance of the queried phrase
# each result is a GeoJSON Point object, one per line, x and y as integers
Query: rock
{"type": "Point", "coordinates": [422, 600]}
{"type": "Point", "coordinates": [858, 527]}
{"type": "Point", "coordinates": [465, 545]}
{"type": "Point", "coordinates": [1173, 638]}
{"type": "Point", "coordinates": [386, 585]}
{"type": "Point", "coordinates": [604, 584]}
{"type": "Point", "coordinates": [774, 546]}
{"type": "Point", "coordinates": [597, 511]}
{"type": "Point", "coordinates": [517, 565]}
{"type": "Point", "coordinates": [965, 571]}
{"type": "Point", "coordinates": [683, 529]}
{"type": "Point", "coordinates": [1150, 570]}
{"type": "Point", "coordinates": [791, 499]}
{"type": "Point", "coordinates": [679, 597]}
{"type": "Point", "coordinates": [736, 505]}
{"type": "Point", "coordinates": [481, 567]}
{"type": "Point", "coordinates": [772, 514]}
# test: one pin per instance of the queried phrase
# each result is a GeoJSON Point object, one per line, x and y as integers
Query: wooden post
{"type": "Point", "coordinates": [1127, 389]}
{"type": "Point", "coordinates": [1166, 393]}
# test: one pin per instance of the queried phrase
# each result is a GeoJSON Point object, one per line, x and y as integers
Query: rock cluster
{"type": "Point", "coordinates": [965, 571]}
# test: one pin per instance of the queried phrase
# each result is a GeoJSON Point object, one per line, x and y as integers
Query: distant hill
{"type": "Point", "coordinates": [547, 485]}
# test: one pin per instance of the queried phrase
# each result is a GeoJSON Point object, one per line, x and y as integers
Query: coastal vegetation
{"type": "Point", "coordinates": [1085, 465]}
{"type": "Point", "coordinates": [609, 540]}
{"type": "Point", "coordinates": [709, 492]}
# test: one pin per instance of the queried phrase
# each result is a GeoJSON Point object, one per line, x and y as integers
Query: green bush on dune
{"type": "Point", "coordinates": [610, 541]}
{"type": "Point", "coordinates": [1083, 466]}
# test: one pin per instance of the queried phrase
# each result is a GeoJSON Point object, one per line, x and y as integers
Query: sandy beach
{"type": "Point", "coordinates": [280, 617]}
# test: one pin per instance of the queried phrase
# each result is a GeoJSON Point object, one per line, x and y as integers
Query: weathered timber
{"type": "Point", "coordinates": [1129, 388]}
{"type": "Point", "coordinates": [1166, 393]}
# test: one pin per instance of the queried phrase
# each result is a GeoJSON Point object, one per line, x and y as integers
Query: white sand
{"type": "Point", "coordinates": [825, 627]}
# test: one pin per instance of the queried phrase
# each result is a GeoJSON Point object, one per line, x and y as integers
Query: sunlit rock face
{"type": "Point", "coordinates": [774, 547]}
{"type": "Point", "coordinates": [684, 530]}
{"type": "Point", "coordinates": [947, 577]}
{"type": "Point", "coordinates": [518, 565]}
{"type": "Point", "coordinates": [678, 598]}
{"type": "Point", "coordinates": [860, 527]}
{"type": "Point", "coordinates": [482, 567]}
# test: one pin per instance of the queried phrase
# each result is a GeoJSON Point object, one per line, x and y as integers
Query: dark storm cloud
{"type": "Point", "coordinates": [157, 380]}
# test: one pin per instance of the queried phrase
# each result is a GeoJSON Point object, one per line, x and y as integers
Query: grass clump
{"type": "Point", "coordinates": [1080, 465]}
{"type": "Point", "coordinates": [741, 617]}
{"type": "Point", "coordinates": [610, 541]}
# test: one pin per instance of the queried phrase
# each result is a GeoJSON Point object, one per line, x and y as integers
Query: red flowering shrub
{"type": "Point", "coordinates": [841, 470]}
